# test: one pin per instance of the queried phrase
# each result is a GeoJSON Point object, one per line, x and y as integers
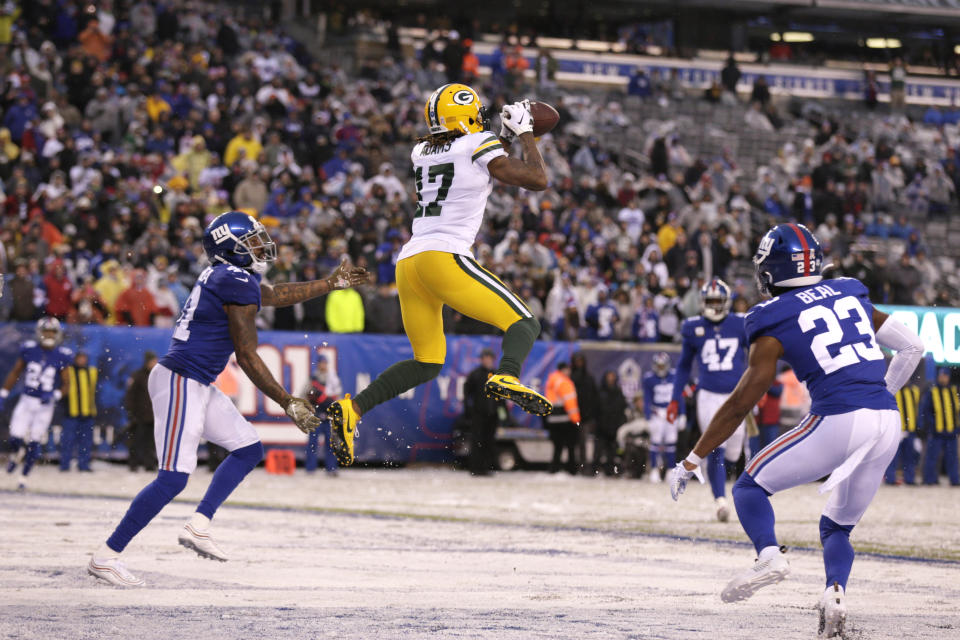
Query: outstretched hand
{"type": "Point", "coordinates": [300, 411]}
{"type": "Point", "coordinates": [346, 276]}
{"type": "Point", "coordinates": [679, 476]}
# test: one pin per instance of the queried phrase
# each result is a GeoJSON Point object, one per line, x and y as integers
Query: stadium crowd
{"type": "Point", "coordinates": [127, 126]}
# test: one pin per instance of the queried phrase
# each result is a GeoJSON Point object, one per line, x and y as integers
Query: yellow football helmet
{"type": "Point", "coordinates": [454, 107]}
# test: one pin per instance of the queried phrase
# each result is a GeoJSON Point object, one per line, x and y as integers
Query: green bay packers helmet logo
{"type": "Point", "coordinates": [464, 97]}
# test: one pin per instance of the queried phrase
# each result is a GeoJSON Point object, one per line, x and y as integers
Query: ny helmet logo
{"type": "Point", "coordinates": [221, 233]}
{"type": "Point", "coordinates": [763, 251]}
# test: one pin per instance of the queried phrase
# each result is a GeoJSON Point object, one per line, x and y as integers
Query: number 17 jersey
{"type": "Point", "coordinates": [453, 184]}
{"type": "Point", "coordinates": [827, 335]}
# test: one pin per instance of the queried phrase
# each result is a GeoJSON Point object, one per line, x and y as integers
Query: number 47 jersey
{"type": "Point", "coordinates": [827, 335]}
{"type": "Point", "coordinates": [453, 184]}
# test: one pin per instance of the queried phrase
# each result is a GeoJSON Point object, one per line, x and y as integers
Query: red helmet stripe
{"type": "Point", "coordinates": [806, 249]}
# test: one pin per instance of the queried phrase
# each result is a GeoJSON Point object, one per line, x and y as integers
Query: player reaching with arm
{"type": "Point", "coordinates": [829, 331]}
{"type": "Point", "coordinates": [218, 319]}
{"type": "Point", "coordinates": [454, 167]}
{"type": "Point", "coordinates": [43, 361]}
{"type": "Point", "coordinates": [717, 342]}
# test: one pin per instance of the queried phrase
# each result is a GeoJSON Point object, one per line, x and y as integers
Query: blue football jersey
{"type": "Point", "coordinates": [41, 376]}
{"type": "Point", "coordinates": [201, 343]}
{"type": "Point", "coordinates": [658, 391]}
{"type": "Point", "coordinates": [827, 335]}
{"type": "Point", "coordinates": [720, 349]}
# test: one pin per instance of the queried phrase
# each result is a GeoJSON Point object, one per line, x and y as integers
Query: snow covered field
{"type": "Point", "coordinates": [431, 553]}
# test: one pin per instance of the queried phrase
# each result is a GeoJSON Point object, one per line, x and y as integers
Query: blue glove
{"type": "Point", "coordinates": [3, 401]}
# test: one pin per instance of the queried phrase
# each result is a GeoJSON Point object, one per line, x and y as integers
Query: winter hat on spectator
{"type": "Point", "coordinates": [178, 183]}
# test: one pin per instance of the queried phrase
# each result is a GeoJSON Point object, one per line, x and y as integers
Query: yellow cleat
{"type": "Point", "coordinates": [343, 428]}
{"type": "Point", "coordinates": [509, 388]}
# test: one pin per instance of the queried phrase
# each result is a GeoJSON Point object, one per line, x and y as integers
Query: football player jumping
{"type": "Point", "coordinates": [43, 362]}
{"type": "Point", "coordinates": [831, 334]}
{"type": "Point", "coordinates": [217, 319]}
{"type": "Point", "coordinates": [454, 166]}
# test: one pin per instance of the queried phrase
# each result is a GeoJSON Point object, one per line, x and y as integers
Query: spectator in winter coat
{"type": "Point", "coordinates": [94, 42]}
{"type": "Point", "coordinates": [587, 401]}
{"type": "Point", "coordinates": [601, 317]}
{"type": "Point", "coordinates": [613, 414]}
{"type": "Point", "coordinates": [139, 409]}
{"type": "Point", "coordinates": [383, 310]}
{"type": "Point", "coordinates": [136, 306]}
{"type": "Point", "coordinates": [251, 193]}
{"type": "Point", "coordinates": [59, 289]}
{"type": "Point", "coordinates": [563, 423]}
{"type": "Point", "coordinates": [482, 412]}
{"type": "Point", "coordinates": [325, 388]}
{"type": "Point", "coordinates": [344, 311]}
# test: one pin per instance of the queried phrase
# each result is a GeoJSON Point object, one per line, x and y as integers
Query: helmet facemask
{"type": "Point", "coordinates": [49, 333]}
{"type": "Point", "coordinates": [716, 308]}
{"type": "Point", "coordinates": [661, 364]}
{"type": "Point", "coordinates": [259, 246]}
{"type": "Point", "coordinates": [49, 338]}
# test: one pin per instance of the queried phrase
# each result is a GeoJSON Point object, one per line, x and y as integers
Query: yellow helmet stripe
{"type": "Point", "coordinates": [434, 100]}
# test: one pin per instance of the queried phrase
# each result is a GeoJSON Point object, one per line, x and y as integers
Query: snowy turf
{"type": "Point", "coordinates": [423, 553]}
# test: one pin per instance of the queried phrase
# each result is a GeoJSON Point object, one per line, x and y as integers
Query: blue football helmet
{"type": "Point", "coordinates": [239, 239]}
{"type": "Point", "coordinates": [661, 364]}
{"type": "Point", "coordinates": [716, 298]}
{"type": "Point", "coordinates": [788, 256]}
{"type": "Point", "coordinates": [49, 332]}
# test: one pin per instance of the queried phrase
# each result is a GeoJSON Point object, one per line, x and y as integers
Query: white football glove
{"type": "Point", "coordinates": [505, 134]}
{"type": "Point", "coordinates": [679, 476]}
{"type": "Point", "coordinates": [302, 415]}
{"type": "Point", "coordinates": [517, 118]}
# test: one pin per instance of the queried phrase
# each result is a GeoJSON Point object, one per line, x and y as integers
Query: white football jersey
{"type": "Point", "coordinates": [452, 189]}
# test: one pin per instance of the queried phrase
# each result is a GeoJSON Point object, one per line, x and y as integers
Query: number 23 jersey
{"type": "Point", "coordinates": [452, 188]}
{"type": "Point", "coordinates": [827, 335]}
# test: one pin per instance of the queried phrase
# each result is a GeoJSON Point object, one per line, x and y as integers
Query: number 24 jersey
{"type": "Point", "coordinates": [827, 335]}
{"type": "Point", "coordinates": [42, 368]}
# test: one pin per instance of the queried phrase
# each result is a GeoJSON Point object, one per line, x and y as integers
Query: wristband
{"type": "Point", "coordinates": [693, 459]}
{"type": "Point", "coordinates": [4, 393]}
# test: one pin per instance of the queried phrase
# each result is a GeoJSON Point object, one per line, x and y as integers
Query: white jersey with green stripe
{"type": "Point", "coordinates": [453, 184]}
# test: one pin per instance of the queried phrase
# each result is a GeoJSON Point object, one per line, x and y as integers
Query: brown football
{"type": "Point", "coordinates": [545, 118]}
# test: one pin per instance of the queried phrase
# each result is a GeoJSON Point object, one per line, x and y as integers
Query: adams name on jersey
{"type": "Point", "coordinates": [453, 184]}
{"type": "Point", "coordinates": [42, 367]}
{"type": "Point", "coordinates": [827, 335]}
{"type": "Point", "coordinates": [201, 344]}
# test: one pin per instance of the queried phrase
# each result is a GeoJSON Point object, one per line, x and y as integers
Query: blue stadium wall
{"type": "Point", "coordinates": [413, 428]}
